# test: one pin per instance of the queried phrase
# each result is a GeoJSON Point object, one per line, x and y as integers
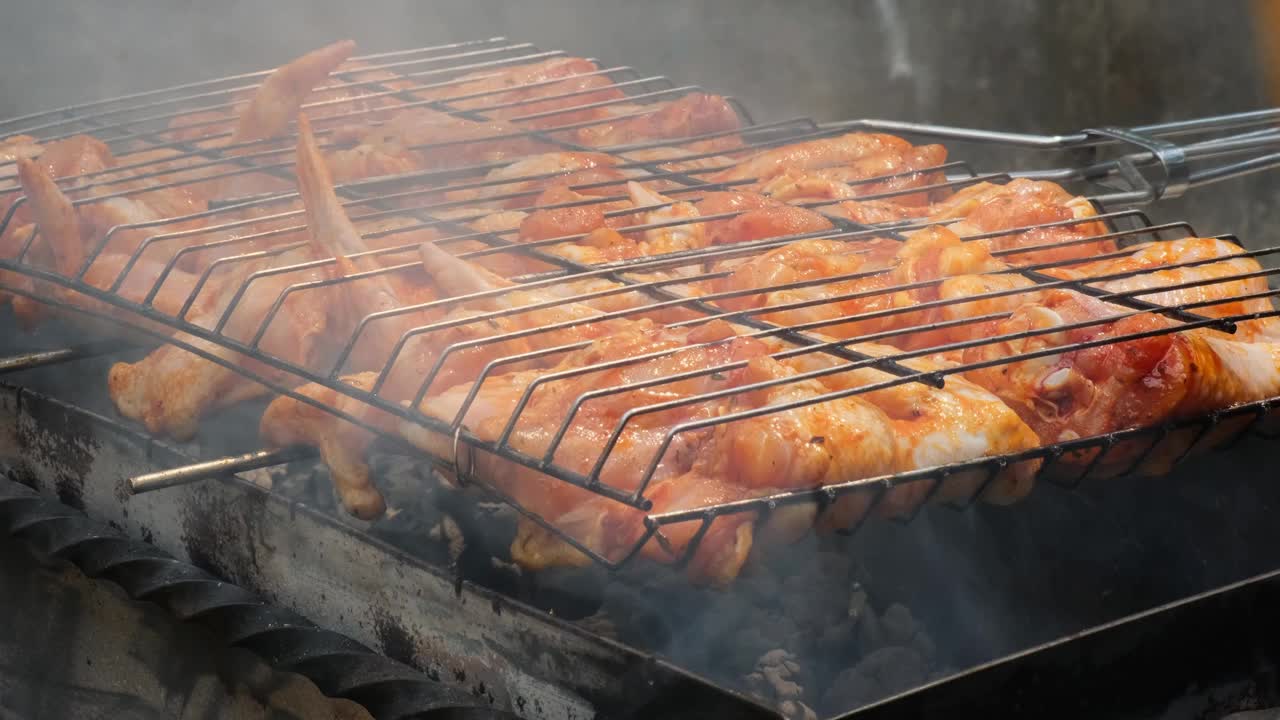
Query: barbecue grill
{"type": "Point", "coordinates": [1122, 169]}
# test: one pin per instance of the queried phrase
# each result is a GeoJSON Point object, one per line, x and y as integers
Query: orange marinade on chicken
{"type": "Point", "coordinates": [987, 208]}
{"type": "Point", "coordinates": [690, 116]}
{"type": "Point", "coordinates": [61, 229]}
{"type": "Point", "coordinates": [906, 170]}
{"type": "Point", "coordinates": [66, 158]}
{"type": "Point", "coordinates": [423, 139]}
{"type": "Point", "coordinates": [1134, 377]}
{"type": "Point", "coordinates": [534, 89]}
{"type": "Point", "coordinates": [826, 440]}
{"type": "Point", "coordinates": [860, 439]}
{"type": "Point", "coordinates": [343, 444]}
{"type": "Point", "coordinates": [120, 212]}
{"type": "Point", "coordinates": [824, 168]}
{"type": "Point", "coordinates": [124, 202]}
{"type": "Point", "coordinates": [1231, 286]}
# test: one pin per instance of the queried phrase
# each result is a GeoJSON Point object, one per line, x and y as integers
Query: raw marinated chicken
{"type": "Point", "coordinates": [254, 116]}
{"type": "Point", "coordinates": [826, 440]}
{"type": "Point", "coordinates": [538, 172]}
{"type": "Point", "coordinates": [692, 115]}
{"type": "Point", "coordinates": [591, 237]}
{"type": "Point", "coordinates": [555, 84]}
{"type": "Point", "coordinates": [277, 101]}
{"type": "Point", "coordinates": [802, 261]}
{"type": "Point", "coordinates": [466, 340]}
{"type": "Point", "coordinates": [422, 139]}
{"type": "Point", "coordinates": [1125, 383]}
{"type": "Point", "coordinates": [865, 293]}
{"type": "Point", "coordinates": [265, 112]}
{"type": "Point", "coordinates": [119, 213]}
{"type": "Point", "coordinates": [864, 154]}
{"type": "Point", "coordinates": [932, 427]}
{"type": "Point", "coordinates": [714, 464]}
{"type": "Point", "coordinates": [936, 289]}
{"type": "Point", "coordinates": [171, 389]}
{"type": "Point", "coordinates": [289, 421]}
{"type": "Point", "coordinates": [911, 169]}
{"type": "Point", "coordinates": [64, 252]}
{"type": "Point", "coordinates": [343, 444]}
{"type": "Point", "coordinates": [67, 158]}
{"type": "Point", "coordinates": [19, 146]}
{"type": "Point", "coordinates": [987, 208]}
{"type": "Point", "coordinates": [1198, 281]}
{"type": "Point", "coordinates": [697, 158]}
{"type": "Point", "coordinates": [758, 218]}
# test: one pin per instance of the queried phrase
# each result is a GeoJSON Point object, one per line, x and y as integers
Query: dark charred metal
{"type": "Point", "coordinates": [1221, 645]}
{"type": "Point", "coordinates": [339, 666]}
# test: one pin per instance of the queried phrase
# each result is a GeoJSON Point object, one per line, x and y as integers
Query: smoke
{"type": "Point", "coordinates": [981, 583]}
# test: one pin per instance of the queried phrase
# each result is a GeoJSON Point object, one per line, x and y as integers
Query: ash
{"type": "Point", "coordinates": [804, 629]}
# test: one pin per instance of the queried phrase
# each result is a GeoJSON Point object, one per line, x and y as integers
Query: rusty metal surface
{"type": "Point", "coordinates": [512, 657]}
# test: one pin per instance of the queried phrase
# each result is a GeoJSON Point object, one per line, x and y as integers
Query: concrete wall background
{"type": "Point", "coordinates": [1007, 64]}
{"type": "Point", "coordinates": [1018, 64]}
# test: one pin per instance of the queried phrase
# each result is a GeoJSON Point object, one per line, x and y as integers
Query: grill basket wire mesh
{"type": "Point", "coordinates": [141, 123]}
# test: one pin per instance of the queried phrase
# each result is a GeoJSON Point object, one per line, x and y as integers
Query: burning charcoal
{"type": "Point", "coordinates": [306, 481]}
{"type": "Point", "coordinates": [924, 645]}
{"type": "Point", "coordinates": [406, 530]}
{"type": "Point", "coordinates": [837, 640]}
{"type": "Point", "coordinates": [600, 624]}
{"type": "Point", "coordinates": [260, 477]}
{"type": "Point", "coordinates": [571, 593]}
{"type": "Point", "coordinates": [490, 527]}
{"type": "Point", "coordinates": [447, 531]}
{"type": "Point", "coordinates": [859, 604]}
{"type": "Point", "coordinates": [796, 602]}
{"type": "Point", "coordinates": [882, 673]}
{"type": "Point", "coordinates": [752, 642]}
{"type": "Point", "coordinates": [898, 625]}
{"type": "Point", "coordinates": [404, 482]}
{"type": "Point", "coordinates": [793, 710]}
{"type": "Point", "coordinates": [774, 681]}
{"type": "Point", "coordinates": [870, 634]}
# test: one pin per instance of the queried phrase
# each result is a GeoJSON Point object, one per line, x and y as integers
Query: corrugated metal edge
{"type": "Point", "coordinates": [514, 657]}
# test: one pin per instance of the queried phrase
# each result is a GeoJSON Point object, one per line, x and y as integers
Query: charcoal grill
{"type": "Point", "coordinates": [1152, 167]}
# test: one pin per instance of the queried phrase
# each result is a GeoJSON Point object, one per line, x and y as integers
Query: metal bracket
{"type": "Point", "coordinates": [1175, 176]}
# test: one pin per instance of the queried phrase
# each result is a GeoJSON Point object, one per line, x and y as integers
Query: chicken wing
{"type": "Point", "coordinates": [910, 168]}
{"type": "Point", "coordinates": [692, 115]}
{"type": "Point", "coordinates": [63, 251]}
{"type": "Point", "coordinates": [343, 445]}
{"type": "Point", "coordinates": [171, 389]}
{"type": "Point", "coordinates": [810, 434]}
{"type": "Point", "coordinates": [873, 154]}
{"type": "Point", "coordinates": [1137, 378]}
{"type": "Point", "coordinates": [1216, 289]}
{"type": "Point", "coordinates": [736, 460]}
{"type": "Point", "coordinates": [987, 208]}
{"type": "Point", "coordinates": [560, 83]}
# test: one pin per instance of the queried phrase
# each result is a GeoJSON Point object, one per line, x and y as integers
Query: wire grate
{"type": "Point", "coordinates": [251, 250]}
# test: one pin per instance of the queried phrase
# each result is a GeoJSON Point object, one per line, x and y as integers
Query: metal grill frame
{"type": "Point", "coordinates": [1153, 151]}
